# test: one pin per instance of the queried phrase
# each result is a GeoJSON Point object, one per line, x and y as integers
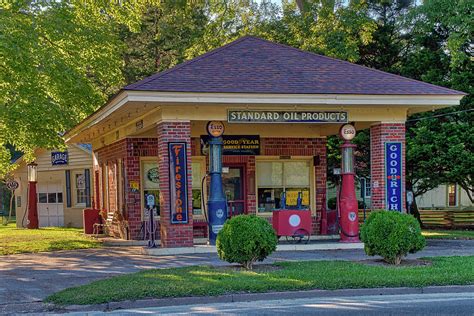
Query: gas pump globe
{"type": "Point", "coordinates": [216, 203]}
{"type": "Point", "coordinates": [348, 208]}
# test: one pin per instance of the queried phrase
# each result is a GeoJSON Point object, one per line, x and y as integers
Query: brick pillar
{"type": "Point", "coordinates": [381, 133]}
{"type": "Point", "coordinates": [132, 199]}
{"type": "Point", "coordinates": [173, 235]}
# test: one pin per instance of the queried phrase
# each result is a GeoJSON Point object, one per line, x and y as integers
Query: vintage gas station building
{"type": "Point", "coordinates": [278, 105]}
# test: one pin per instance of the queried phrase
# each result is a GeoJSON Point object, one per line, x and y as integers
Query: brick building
{"type": "Point", "coordinates": [278, 105]}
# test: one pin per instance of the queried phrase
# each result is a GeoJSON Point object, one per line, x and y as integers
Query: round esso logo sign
{"type": "Point", "coordinates": [347, 132]}
{"type": "Point", "coordinates": [215, 128]}
{"type": "Point", "coordinates": [294, 220]}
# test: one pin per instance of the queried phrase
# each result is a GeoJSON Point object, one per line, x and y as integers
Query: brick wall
{"type": "Point", "coordinates": [380, 134]}
{"type": "Point", "coordinates": [282, 147]}
{"type": "Point", "coordinates": [129, 152]}
{"type": "Point", "coordinates": [174, 235]}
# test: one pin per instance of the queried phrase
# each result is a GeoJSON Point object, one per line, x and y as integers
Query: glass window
{"type": "Point", "coordinates": [42, 198]}
{"type": "Point", "coordinates": [283, 178]}
{"type": "Point", "coordinates": [452, 200]}
{"type": "Point", "coordinates": [52, 198]}
{"type": "Point", "coordinates": [368, 188]}
{"type": "Point", "coordinates": [80, 183]}
{"type": "Point", "coordinates": [60, 197]}
{"type": "Point", "coordinates": [151, 188]}
{"type": "Point", "coordinates": [197, 192]}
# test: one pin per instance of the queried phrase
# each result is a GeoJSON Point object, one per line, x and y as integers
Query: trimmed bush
{"type": "Point", "coordinates": [391, 235]}
{"type": "Point", "coordinates": [246, 239]}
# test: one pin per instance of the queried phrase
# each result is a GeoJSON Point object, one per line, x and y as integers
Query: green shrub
{"type": "Point", "coordinates": [391, 235]}
{"type": "Point", "coordinates": [246, 239]}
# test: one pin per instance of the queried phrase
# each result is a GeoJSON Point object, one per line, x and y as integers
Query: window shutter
{"type": "Point", "coordinates": [87, 177]}
{"type": "Point", "coordinates": [68, 188]}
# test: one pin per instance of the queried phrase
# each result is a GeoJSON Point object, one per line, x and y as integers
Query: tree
{"type": "Point", "coordinates": [60, 61]}
{"type": "Point", "coordinates": [440, 144]}
{"type": "Point", "coordinates": [166, 31]}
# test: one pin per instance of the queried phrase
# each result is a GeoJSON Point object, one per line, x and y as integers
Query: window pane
{"type": "Point", "coordinates": [151, 177]}
{"type": "Point", "coordinates": [81, 197]}
{"type": "Point", "coordinates": [60, 197]}
{"type": "Point", "coordinates": [270, 174]}
{"type": "Point", "coordinates": [296, 173]}
{"type": "Point", "coordinates": [196, 175]}
{"type": "Point", "coordinates": [51, 197]}
{"type": "Point", "coordinates": [197, 210]}
{"type": "Point", "coordinates": [269, 199]}
{"type": "Point", "coordinates": [42, 198]}
{"type": "Point", "coordinates": [80, 181]}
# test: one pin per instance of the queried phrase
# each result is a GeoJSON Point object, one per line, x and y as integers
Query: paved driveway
{"type": "Point", "coordinates": [29, 278]}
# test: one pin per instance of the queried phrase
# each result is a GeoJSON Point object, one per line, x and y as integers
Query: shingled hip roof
{"type": "Point", "coordinates": [254, 65]}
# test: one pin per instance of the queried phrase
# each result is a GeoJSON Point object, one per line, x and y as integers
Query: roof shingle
{"type": "Point", "coordinates": [254, 65]}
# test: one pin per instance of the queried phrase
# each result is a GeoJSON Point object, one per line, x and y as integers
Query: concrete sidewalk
{"type": "Point", "coordinates": [26, 279]}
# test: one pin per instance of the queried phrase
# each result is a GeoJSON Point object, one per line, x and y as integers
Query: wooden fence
{"type": "Point", "coordinates": [439, 218]}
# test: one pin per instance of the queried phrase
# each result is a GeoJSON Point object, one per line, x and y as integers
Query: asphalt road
{"type": "Point", "coordinates": [410, 304]}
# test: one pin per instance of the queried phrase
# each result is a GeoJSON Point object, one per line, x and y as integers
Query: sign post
{"type": "Point", "coordinates": [216, 203]}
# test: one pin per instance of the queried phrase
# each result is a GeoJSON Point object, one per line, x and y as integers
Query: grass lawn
{"type": "Point", "coordinates": [13, 240]}
{"type": "Point", "coordinates": [448, 234]}
{"type": "Point", "coordinates": [209, 281]}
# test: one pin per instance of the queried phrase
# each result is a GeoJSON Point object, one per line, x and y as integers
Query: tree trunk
{"type": "Point", "coordinates": [415, 212]}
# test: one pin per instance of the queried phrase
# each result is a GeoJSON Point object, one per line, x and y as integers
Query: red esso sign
{"type": "Point", "coordinates": [215, 128]}
{"type": "Point", "coordinates": [347, 132]}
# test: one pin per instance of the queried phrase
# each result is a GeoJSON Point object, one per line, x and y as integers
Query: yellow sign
{"type": "Point", "coordinates": [292, 197]}
{"type": "Point", "coordinates": [134, 186]}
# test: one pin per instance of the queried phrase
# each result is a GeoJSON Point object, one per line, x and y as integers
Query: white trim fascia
{"type": "Point", "coordinates": [293, 99]}
{"type": "Point", "coordinates": [255, 100]}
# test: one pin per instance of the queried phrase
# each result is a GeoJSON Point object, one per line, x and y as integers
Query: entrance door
{"type": "Point", "coordinates": [50, 204]}
{"type": "Point", "coordinates": [234, 190]}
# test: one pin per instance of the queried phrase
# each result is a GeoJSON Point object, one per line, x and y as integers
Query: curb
{"type": "Point", "coordinates": [249, 297]}
{"type": "Point", "coordinates": [280, 247]}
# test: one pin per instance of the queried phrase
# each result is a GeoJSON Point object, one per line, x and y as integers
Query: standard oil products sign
{"type": "Point", "coordinates": [289, 116]}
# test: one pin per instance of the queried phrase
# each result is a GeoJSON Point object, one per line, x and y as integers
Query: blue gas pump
{"type": "Point", "coordinates": [216, 203]}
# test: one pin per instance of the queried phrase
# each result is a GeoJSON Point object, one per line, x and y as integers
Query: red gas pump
{"type": "Point", "coordinates": [348, 212]}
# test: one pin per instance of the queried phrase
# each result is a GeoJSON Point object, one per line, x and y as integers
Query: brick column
{"type": "Point", "coordinates": [173, 235]}
{"type": "Point", "coordinates": [381, 133]}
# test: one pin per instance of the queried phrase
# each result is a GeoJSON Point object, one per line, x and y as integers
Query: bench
{"type": "Point", "coordinates": [104, 225]}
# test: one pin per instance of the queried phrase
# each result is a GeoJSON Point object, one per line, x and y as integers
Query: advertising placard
{"type": "Point", "coordinates": [393, 176]}
{"type": "Point", "coordinates": [234, 145]}
{"type": "Point", "coordinates": [59, 158]}
{"type": "Point", "coordinates": [178, 183]}
{"type": "Point", "coordinates": [289, 116]}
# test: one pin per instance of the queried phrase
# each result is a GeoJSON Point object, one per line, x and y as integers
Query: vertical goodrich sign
{"type": "Point", "coordinates": [393, 176]}
{"type": "Point", "coordinates": [178, 183]}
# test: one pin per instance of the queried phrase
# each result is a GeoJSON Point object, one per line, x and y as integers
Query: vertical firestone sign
{"type": "Point", "coordinates": [393, 176]}
{"type": "Point", "coordinates": [178, 183]}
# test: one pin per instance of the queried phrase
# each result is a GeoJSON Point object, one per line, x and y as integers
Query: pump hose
{"type": "Point", "coordinates": [339, 212]}
{"type": "Point", "coordinates": [202, 198]}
